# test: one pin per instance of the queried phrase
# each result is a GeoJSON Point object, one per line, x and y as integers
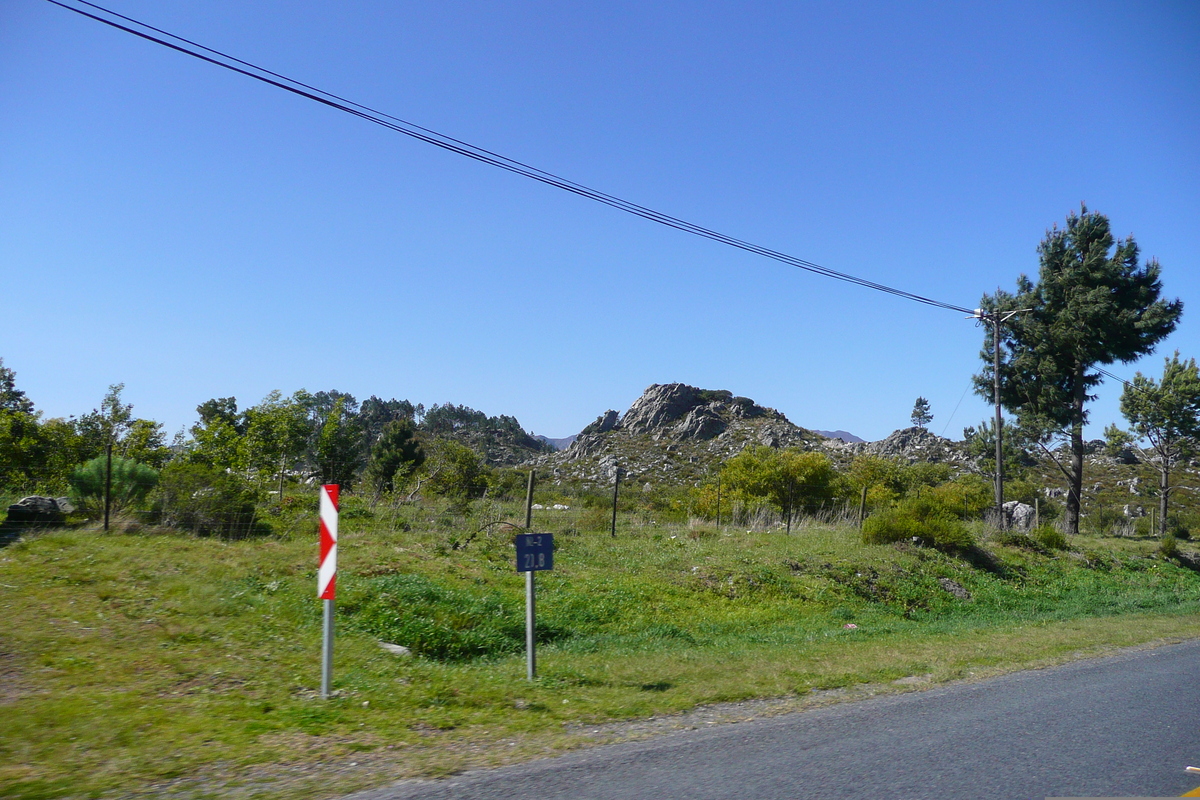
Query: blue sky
{"type": "Point", "coordinates": [195, 234]}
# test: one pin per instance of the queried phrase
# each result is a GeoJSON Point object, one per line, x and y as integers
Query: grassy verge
{"type": "Point", "coordinates": [154, 663]}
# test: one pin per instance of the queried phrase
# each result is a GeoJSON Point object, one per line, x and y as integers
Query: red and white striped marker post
{"type": "Point", "coordinates": [327, 578]}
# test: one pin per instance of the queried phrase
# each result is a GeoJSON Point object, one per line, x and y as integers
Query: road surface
{"type": "Point", "coordinates": [1123, 726]}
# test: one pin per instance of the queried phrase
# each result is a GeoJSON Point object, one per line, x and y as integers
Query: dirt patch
{"type": "Point", "coordinates": [13, 684]}
{"type": "Point", "coordinates": [206, 684]}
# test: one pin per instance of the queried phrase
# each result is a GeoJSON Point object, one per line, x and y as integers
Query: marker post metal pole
{"type": "Point", "coordinates": [327, 651]}
{"type": "Point", "coordinates": [530, 593]}
{"type": "Point", "coordinates": [327, 579]}
{"type": "Point", "coordinates": [535, 552]}
{"type": "Point", "coordinates": [530, 626]}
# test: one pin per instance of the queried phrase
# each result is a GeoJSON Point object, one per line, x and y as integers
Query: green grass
{"type": "Point", "coordinates": [147, 663]}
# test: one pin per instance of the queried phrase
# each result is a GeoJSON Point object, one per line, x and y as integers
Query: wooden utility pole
{"type": "Point", "coordinates": [996, 318]}
{"type": "Point", "coordinates": [616, 490]}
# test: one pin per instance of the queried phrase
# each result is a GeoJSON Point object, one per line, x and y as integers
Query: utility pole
{"type": "Point", "coordinates": [996, 318]}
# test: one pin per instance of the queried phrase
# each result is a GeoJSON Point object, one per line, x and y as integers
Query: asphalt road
{"type": "Point", "coordinates": [1124, 726]}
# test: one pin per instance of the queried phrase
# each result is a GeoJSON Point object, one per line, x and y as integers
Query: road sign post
{"type": "Point", "coordinates": [327, 579]}
{"type": "Point", "coordinates": [535, 552]}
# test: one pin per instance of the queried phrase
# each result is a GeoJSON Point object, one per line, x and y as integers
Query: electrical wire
{"type": "Point", "coordinates": [429, 136]}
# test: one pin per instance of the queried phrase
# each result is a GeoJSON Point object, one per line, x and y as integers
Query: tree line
{"type": "Point", "coordinates": [376, 446]}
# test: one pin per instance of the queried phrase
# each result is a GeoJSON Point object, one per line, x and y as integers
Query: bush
{"type": "Point", "coordinates": [923, 518]}
{"type": "Point", "coordinates": [967, 497]}
{"type": "Point", "coordinates": [596, 518]}
{"type": "Point", "coordinates": [1169, 547]}
{"type": "Point", "coordinates": [206, 501]}
{"type": "Point", "coordinates": [507, 483]}
{"type": "Point", "coordinates": [1017, 539]}
{"type": "Point", "coordinates": [1050, 537]}
{"type": "Point", "coordinates": [1180, 525]}
{"type": "Point", "coordinates": [131, 483]}
{"type": "Point", "coordinates": [439, 622]}
{"type": "Point", "coordinates": [456, 472]}
{"type": "Point", "coordinates": [1111, 522]}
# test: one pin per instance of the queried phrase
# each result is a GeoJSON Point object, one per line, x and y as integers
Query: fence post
{"type": "Point", "coordinates": [616, 489]}
{"type": "Point", "coordinates": [862, 508]}
{"type": "Point", "coordinates": [529, 501]}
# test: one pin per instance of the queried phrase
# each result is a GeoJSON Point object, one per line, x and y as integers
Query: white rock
{"type": "Point", "coordinates": [1018, 516]}
{"type": "Point", "coordinates": [396, 649]}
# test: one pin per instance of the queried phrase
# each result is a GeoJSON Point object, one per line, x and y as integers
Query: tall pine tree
{"type": "Point", "coordinates": [1167, 415]}
{"type": "Point", "coordinates": [1094, 303]}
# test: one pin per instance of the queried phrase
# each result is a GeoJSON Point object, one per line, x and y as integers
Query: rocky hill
{"type": "Point", "coordinates": [500, 440]}
{"type": "Point", "coordinates": [673, 432]}
{"type": "Point", "coordinates": [845, 436]}
{"type": "Point", "coordinates": [677, 433]}
{"type": "Point", "coordinates": [908, 445]}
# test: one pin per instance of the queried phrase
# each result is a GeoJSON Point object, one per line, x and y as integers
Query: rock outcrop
{"type": "Point", "coordinates": [37, 511]}
{"type": "Point", "coordinates": [673, 432]}
{"type": "Point", "coordinates": [910, 445]}
{"type": "Point", "coordinates": [678, 433]}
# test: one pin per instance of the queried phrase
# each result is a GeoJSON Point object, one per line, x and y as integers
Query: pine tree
{"type": "Point", "coordinates": [1093, 304]}
{"type": "Point", "coordinates": [1167, 415]}
{"type": "Point", "coordinates": [920, 413]}
{"type": "Point", "coordinates": [396, 455]}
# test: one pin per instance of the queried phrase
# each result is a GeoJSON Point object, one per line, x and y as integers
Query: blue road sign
{"type": "Point", "coordinates": [535, 551]}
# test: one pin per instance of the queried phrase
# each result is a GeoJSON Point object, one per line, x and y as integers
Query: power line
{"type": "Point", "coordinates": [429, 136]}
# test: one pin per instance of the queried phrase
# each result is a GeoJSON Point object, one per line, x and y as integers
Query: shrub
{"type": "Point", "coordinates": [206, 501]}
{"type": "Point", "coordinates": [456, 472]}
{"type": "Point", "coordinates": [1169, 547]}
{"type": "Point", "coordinates": [507, 483]}
{"type": "Point", "coordinates": [1111, 522]}
{"type": "Point", "coordinates": [924, 518]}
{"type": "Point", "coordinates": [440, 622]}
{"type": "Point", "coordinates": [1017, 539]}
{"type": "Point", "coordinates": [1180, 525]}
{"type": "Point", "coordinates": [131, 483]}
{"type": "Point", "coordinates": [595, 518]}
{"type": "Point", "coordinates": [1050, 537]}
{"type": "Point", "coordinates": [966, 497]}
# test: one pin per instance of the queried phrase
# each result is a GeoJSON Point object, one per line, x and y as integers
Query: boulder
{"type": "Point", "coordinates": [1018, 516]}
{"type": "Point", "coordinates": [603, 424]}
{"type": "Point", "coordinates": [395, 649]}
{"type": "Point", "coordinates": [36, 510]}
{"type": "Point", "coordinates": [955, 588]}
{"type": "Point", "coordinates": [661, 406]}
{"type": "Point", "coordinates": [701, 424]}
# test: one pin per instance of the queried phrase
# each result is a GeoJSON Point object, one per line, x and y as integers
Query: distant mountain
{"type": "Point", "coordinates": [557, 444]}
{"type": "Point", "coordinates": [848, 438]}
